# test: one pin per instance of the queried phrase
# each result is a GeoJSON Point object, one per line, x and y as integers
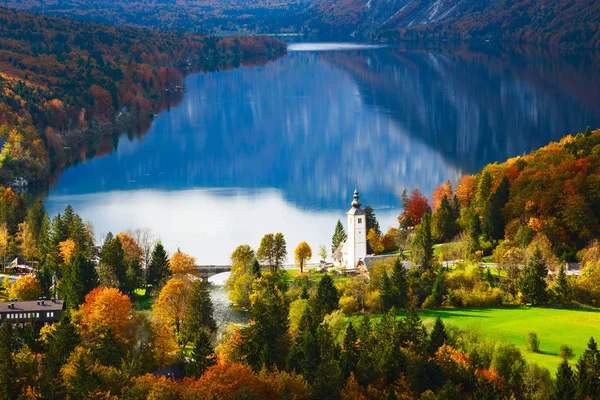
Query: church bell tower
{"type": "Point", "coordinates": [356, 244]}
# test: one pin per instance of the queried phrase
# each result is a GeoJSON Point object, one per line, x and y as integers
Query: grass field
{"type": "Point", "coordinates": [554, 328]}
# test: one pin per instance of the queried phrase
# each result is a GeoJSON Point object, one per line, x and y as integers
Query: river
{"type": "Point", "coordinates": [280, 147]}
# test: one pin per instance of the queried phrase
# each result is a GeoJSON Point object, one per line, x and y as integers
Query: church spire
{"type": "Point", "coordinates": [356, 202]}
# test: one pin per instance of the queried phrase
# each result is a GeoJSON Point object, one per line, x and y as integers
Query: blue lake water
{"type": "Point", "coordinates": [280, 147]}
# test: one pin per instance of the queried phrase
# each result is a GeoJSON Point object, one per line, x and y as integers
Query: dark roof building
{"type": "Point", "coordinates": [2, 141]}
{"type": "Point", "coordinates": [41, 312]}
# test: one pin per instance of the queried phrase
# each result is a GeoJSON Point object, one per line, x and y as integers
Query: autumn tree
{"type": "Point", "coordinates": [67, 249]}
{"type": "Point", "coordinates": [4, 240]}
{"type": "Point", "coordinates": [302, 254]}
{"type": "Point", "coordinates": [158, 268]}
{"type": "Point", "coordinates": [25, 288]}
{"type": "Point", "coordinates": [374, 241]}
{"type": "Point", "coordinates": [444, 190]}
{"type": "Point", "coordinates": [465, 190]}
{"type": "Point", "coordinates": [239, 282]}
{"type": "Point", "coordinates": [106, 309]}
{"type": "Point", "coordinates": [415, 207]}
{"type": "Point", "coordinates": [339, 235]}
{"type": "Point", "coordinates": [182, 264]}
{"type": "Point", "coordinates": [272, 250]}
{"type": "Point", "coordinates": [171, 306]}
{"type": "Point", "coordinates": [26, 242]}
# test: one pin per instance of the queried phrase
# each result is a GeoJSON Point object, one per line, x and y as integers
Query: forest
{"type": "Point", "coordinates": [65, 84]}
{"type": "Point", "coordinates": [133, 309]}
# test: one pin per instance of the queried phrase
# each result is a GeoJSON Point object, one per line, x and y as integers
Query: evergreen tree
{"type": "Point", "coordinates": [108, 348]}
{"type": "Point", "coordinates": [79, 278]}
{"type": "Point", "coordinates": [256, 269]}
{"type": "Point", "coordinates": [43, 241]}
{"type": "Point", "coordinates": [399, 282]}
{"type": "Point", "coordinates": [588, 372]}
{"type": "Point", "coordinates": [371, 220]}
{"type": "Point", "coordinates": [484, 190]}
{"type": "Point", "coordinates": [35, 218]}
{"type": "Point", "coordinates": [564, 387]}
{"type": "Point", "coordinates": [422, 245]}
{"type": "Point", "coordinates": [387, 294]}
{"type": "Point", "coordinates": [8, 373]}
{"type": "Point", "coordinates": [438, 290]}
{"type": "Point", "coordinates": [562, 285]}
{"type": "Point", "coordinates": [494, 220]}
{"type": "Point", "coordinates": [327, 297]}
{"type": "Point", "coordinates": [339, 235]}
{"type": "Point", "coordinates": [112, 271]}
{"type": "Point", "coordinates": [84, 381]}
{"type": "Point", "coordinates": [438, 336]}
{"type": "Point", "coordinates": [349, 356]}
{"type": "Point", "coordinates": [199, 316]}
{"type": "Point", "coordinates": [328, 379]}
{"type": "Point", "coordinates": [61, 341]}
{"type": "Point", "coordinates": [304, 295]}
{"type": "Point", "coordinates": [444, 226]}
{"type": "Point", "coordinates": [473, 232]}
{"type": "Point", "coordinates": [158, 268]}
{"type": "Point", "coordinates": [532, 283]}
{"type": "Point", "coordinates": [203, 355]}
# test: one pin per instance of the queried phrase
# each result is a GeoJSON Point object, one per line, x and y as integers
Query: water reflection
{"type": "Point", "coordinates": [279, 147]}
{"type": "Point", "coordinates": [223, 313]}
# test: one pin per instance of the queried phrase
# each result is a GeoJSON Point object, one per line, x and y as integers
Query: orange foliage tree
{"type": "Point", "coordinates": [67, 249]}
{"type": "Point", "coordinates": [182, 264]}
{"type": "Point", "coordinates": [465, 190]}
{"type": "Point", "coordinates": [133, 251]}
{"type": "Point", "coordinates": [445, 189]}
{"type": "Point", "coordinates": [414, 207]}
{"type": "Point", "coordinates": [106, 308]}
{"type": "Point", "coordinates": [171, 306]}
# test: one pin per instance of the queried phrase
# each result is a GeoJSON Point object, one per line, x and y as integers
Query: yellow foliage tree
{"type": "Point", "coordinates": [374, 241]}
{"type": "Point", "coordinates": [303, 253]}
{"type": "Point", "coordinates": [182, 264]}
{"type": "Point", "coordinates": [4, 238]}
{"type": "Point", "coordinates": [106, 308]}
{"type": "Point", "coordinates": [171, 306]}
{"type": "Point", "coordinates": [26, 242]}
{"type": "Point", "coordinates": [67, 249]}
{"type": "Point", "coordinates": [25, 288]}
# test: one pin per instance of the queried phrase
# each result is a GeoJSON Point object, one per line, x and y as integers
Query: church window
{"type": "Point", "coordinates": [360, 220]}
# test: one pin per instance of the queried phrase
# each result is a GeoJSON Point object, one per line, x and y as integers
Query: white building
{"type": "Point", "coordinates": [353, 250]}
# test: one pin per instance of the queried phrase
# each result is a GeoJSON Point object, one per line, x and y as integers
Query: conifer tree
{"type": "Point", "coordinates": [562, 285]}
{"type": "Point", "coordinates": [588, 372]}
{"type": "Point", "coordinates": [339, 235]}
{"type": "Point", "coordinates": [8, 373]}
{"type": "Point", "coordinates": [494, 220]}
{"type": "Point", "coordinates": [327, 297]}
{"type": "Point", "coordinates": [387, 293]}
{"type": "Point", "coordinates": [438, 336]}
{"type": "Point", "coordinates": [438, 290]}
{"type": "Point", "coordinates": [349, 356]}
{"type": "Point", "coordinates": [79, 278]}
{"type": "Point", "coordinates": [399, 282]}
{"type": "Point", "coordinates": [83, 381]}
{"type": "Point", "coordinates": [60, 343]}
{"type": "Point", "coordinates": [422, 245]}
{"type": "Point", "coordinates": [203, 355]}
{"type": "Point", "coordinates": [158, 268]}
{"type": "Point", "coordinates": [199, 316]}
{"type": "Point", "coordinates": [533, 279]}
{"type": "Point", "coordinates": [444, 226]}
{"type": "Point", "coordinates": [371, 220]}
{"type": "Point", "coordinates": [256, 269]}
{"type": "Point", "coordinates": [564, 387]}
{"type": "Point", "coordinates": [112, 271]}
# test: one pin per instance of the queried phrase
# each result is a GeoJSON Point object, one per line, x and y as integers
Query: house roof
{"type": "Point", "coordinates": [33, 305]}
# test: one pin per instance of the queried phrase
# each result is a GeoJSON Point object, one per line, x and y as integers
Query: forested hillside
{"type": "Point", "coordinates": [64, 84]}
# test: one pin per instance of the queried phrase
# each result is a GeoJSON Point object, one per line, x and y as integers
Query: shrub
{"type": "Point", "coordinates": [565, 352]}
{"type": "Point", "coordinates": [373, 301]}
{"type": "Point", "coordinates": [348, 305]}
{"type": "Point", "coordinates": [429, 303]}
{"type": "Point", "coordinates": [533, 342]}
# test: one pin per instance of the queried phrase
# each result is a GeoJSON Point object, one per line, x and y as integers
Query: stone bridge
{"type": "Point", "coordinates": [206, 271]}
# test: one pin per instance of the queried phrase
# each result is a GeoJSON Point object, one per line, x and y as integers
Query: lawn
{"type": "Point", "coordinates": [554, 328]}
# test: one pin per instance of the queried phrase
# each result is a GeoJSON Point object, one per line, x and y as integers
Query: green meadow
{"type": "Point", "coordinates": [554, 327]}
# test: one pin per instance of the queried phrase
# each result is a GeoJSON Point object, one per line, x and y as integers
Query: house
{"type": "Point", "coordinates": [41, 312]}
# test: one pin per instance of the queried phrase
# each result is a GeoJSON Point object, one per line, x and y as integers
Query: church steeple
{"type": "Point", "coordinates": [356, 202]}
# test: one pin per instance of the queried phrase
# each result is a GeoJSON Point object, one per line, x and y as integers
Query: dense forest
{"type": "Point", "coordinates": [320, 335]}
{"type": "Point", "coordinates": [65, 84]}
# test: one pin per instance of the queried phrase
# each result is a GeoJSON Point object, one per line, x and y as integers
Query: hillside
{"type": "Point", "coordinates": [65, 84]}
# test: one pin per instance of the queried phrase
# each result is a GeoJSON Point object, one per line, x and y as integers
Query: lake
{"type": "Point", "coordinates": [280, 147]}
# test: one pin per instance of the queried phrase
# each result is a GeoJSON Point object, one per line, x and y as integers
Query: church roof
{"type": "Point", "coordinates": [356, 210]}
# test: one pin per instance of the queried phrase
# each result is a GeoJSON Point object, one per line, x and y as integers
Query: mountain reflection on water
{"type": "Point", "coordinates": [280, 147]}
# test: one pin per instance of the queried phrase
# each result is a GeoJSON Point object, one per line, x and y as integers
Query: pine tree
{"type": "Point", "coordinates": [112, 271]}
{"type": "Point", "coordinates": [422, 245]}
{"type": "Point", "coordinates": [562, 285]}
{"type": "Point", "coordinates": [199, 316]}
{"type": "Point", "coordinates": [8, 372]}
{"type": "Point", "coordinates": [339, 235]}
{"type": "Point", "coordinates": [202, 357]}
{"type": "Point", "coordinates": [483, 191]}
{"type": "Point", "coordinates": [387, 293]}
{"type": "Point", "coordinates": [588, 372]}
{"type": "Point", "coordinates": [304, 295]}
{"type": "Point", "coordinates": [349, 356]}
{"type": "Point", "coordinates": [79, 278]}
{"type": "Point", "coordinates": [35, 218]}
{"type": "Point", "coordinates": [444, 226]}
{"type": "Point", "coordinates": [399, 282]}
{"type": "Point", "coordinates": [371, 220]}
{"type": "Point", "coordinates": [533, 280]}
{"type": "Point", "coordinates": [327, 297]}
{"type": "Point", "coordinates": [60, 343]}
{"type": "Point", "coordinates": [438, 290]}
{"type": "Point", "coordinates": [84, 380]}
{"type": "Point", "coordinates": [158, 267]}
{"type": "Point", "coordinates": [438, 336]}
{"type": "Point", "coordinates": [564, 387]}
{"type": "Point", "coordinates": [256, 269]}
{"type": "Point", "coordinates": [494, 220]}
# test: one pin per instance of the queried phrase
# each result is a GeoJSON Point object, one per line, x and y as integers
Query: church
{"type": "Point", "coordinates": [351, 253]}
